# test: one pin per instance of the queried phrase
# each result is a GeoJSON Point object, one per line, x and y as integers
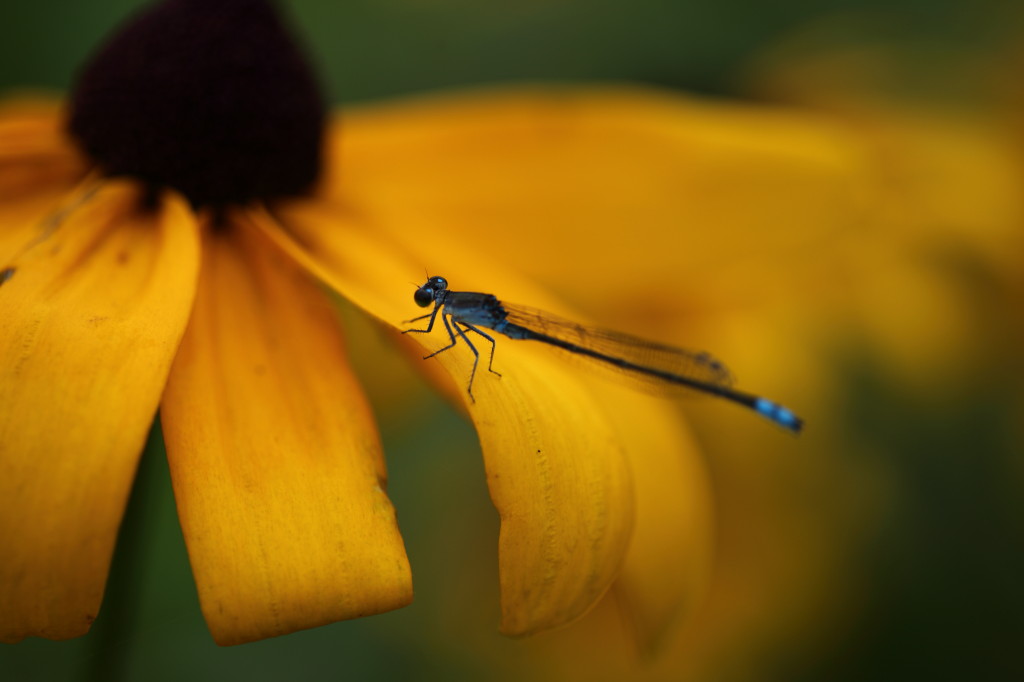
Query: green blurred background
{"type": "Point", "coordinates": [369, 49]}
{"type": "Point", "coordinates": [945, 565]}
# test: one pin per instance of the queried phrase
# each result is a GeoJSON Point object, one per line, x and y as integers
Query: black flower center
{"type": "Point", "coordinates": [210, 97]}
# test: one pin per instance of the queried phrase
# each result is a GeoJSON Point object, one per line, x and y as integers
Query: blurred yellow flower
{"type": "Point", "coordinates": [948, 175]}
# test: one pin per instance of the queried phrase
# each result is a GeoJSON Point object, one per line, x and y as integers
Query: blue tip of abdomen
{"type": "Point", "coordinates": [782, 416]}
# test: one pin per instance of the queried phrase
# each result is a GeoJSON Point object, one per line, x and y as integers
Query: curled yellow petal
{"type": "Point", "coordinates": [668, 567]}
{"type": "Point", "coordinates": [275, 459]}
{"type": "Point", "coordinates": [559, 478]}
{"type": "Point", "coordinates": [90, 317]}
{"type": "Point", "coordinates": [556, 469]}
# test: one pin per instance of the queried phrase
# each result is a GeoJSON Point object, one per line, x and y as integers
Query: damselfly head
{"type": "Point", "coordinates": [427, 293]}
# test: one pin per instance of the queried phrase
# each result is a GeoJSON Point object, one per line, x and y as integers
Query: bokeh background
{"type": "Point", "coordinates": [894, 537]}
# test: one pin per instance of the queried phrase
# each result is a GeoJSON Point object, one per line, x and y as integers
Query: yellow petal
{"type": "Point", "coordinates": [633, 185]}
{"type": "Point", "coordinates": [89, 323]}
{"type": "Point", "coordinates": [556, 469]}
{"type": "Point", "coordinates": [275, 458]}
{"type": "Point", "coordinates": [35, 150]}
{"type": "Point", "coordinates": [38, 167]}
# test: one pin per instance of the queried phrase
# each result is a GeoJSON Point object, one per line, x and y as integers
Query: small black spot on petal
{"type": "Point", "coordinates": [6, 274]}
{"type": "Point", "coordinates": [210, 97]}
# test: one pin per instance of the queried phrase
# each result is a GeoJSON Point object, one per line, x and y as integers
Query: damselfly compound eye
{"type": "Point", "coordinates": [424, 296]}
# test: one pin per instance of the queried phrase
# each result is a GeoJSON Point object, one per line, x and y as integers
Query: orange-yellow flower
{"type": "Point", "coordinates": [166, 253]}
{"type": "Point", "coordinates": [134, 277]}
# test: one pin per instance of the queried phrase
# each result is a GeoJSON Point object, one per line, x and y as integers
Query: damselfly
{"type": "Point", "coordinates": [652, 363]}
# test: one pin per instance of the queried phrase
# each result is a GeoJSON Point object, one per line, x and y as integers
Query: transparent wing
{"type": "Point", "coordinates": [694, 365]}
